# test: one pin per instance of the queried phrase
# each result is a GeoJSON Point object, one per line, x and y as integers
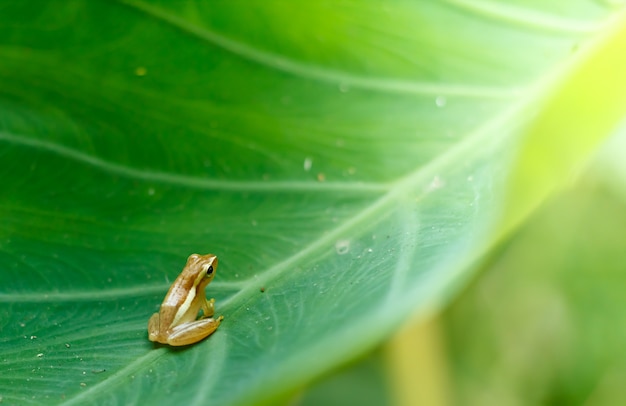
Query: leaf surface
{"type": "Point", "coordinates": [346, 162]}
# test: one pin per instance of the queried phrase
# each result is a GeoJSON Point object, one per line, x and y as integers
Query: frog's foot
{"type": "Point", "coordinates": [153, 327]}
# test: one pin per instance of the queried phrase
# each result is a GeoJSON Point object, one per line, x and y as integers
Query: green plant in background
{"type": "Point", "coordinates": [347, 162]}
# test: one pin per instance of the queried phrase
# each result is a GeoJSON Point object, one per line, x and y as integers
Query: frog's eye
{"type": "Point", "coordinates": [210, 270]}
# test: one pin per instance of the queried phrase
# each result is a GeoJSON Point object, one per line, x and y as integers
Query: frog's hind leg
{"type": "Point", "coordinates": [189, 333]}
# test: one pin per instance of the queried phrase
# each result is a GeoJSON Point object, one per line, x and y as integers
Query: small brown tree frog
{"type": "Point", "coordinates": [178, 321]}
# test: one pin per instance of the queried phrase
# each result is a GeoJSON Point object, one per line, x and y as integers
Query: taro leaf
{"type": "Point", "coordinates": [346, 161]}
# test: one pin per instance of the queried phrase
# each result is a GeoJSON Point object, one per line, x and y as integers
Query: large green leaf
{"type": "Point", "coordinates": [346, 161]}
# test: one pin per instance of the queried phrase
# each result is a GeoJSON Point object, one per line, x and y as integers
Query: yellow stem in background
{"type": "Point", "coordinates": [416, 365]}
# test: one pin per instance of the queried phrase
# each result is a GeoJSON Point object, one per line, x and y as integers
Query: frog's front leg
{"type": "Point", "coordinates": [194, 331]}
{"type": "Point", "coordinates": [208, 308]}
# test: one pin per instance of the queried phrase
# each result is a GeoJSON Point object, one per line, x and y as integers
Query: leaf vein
{"type": "Point", "coordinates": [323, 74]}
{"type": "Point", "coordinates": [191, 181]}
{"type": "Point", "coordinates": [528, 17]}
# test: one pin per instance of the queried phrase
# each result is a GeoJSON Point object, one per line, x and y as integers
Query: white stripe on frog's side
{"type": "Point", "coordinates": [190, 297]}
{"type": "Point", "coordinates": [185, 306]}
